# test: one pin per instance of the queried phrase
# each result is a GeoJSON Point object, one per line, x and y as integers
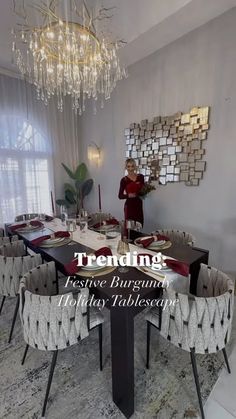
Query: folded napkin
{"type": "Point", "coordinates": [34, 223]}
{"type": "Point", "coordinates": [72, 268]}
{"type": "Point", "coordinates": [133, 187]}
{"type": "Point", "coordinates": [146, 242]}
{"type": "Point", "coordinates": [39, 240]}
{"type": "Point", "coordinates": [17, 226]}
{"type": "Point", "coordinates": [177, 266]}
{"type": "Point", "coordinates": [110, 221]}
{"type": "Point", "coordinates": [61, 234]}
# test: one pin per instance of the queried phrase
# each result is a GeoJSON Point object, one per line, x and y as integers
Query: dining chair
{"type": "Point", "coordinates": [7, 239]}
{"type": "Point", "coordinates": [177, 236]}
{"type": "Point", "coordinates": [26, 217]}
{"type": "Point", "coordinates": [13, 264]}
{"type": "Point", "coordinates": [49, 325]}
{"type": "Point", "coordinates": [198, 324]}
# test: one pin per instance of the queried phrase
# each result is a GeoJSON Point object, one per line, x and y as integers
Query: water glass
{"type": "Point", "coordinates": [71, 226]}
{"type": "Point", "coordinates": [111, 236]}
{"type": "Point", "coordinates": [83, 214]}
{"type": "Point", "coordinates": [63, 214]}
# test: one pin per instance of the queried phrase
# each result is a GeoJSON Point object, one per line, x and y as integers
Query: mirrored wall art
{"type": "Point", "coordinates": [170, 148]}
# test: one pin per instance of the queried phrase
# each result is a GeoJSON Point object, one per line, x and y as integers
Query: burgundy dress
{"type": "Point", "coordinates": [133, 206]}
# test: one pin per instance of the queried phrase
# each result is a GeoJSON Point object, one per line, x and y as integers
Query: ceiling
{"type": "Point", "coordinates": [146, 26]}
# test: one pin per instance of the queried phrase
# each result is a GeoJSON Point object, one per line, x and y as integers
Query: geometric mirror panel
{"type": "Point", "coordinates": [170, 148]}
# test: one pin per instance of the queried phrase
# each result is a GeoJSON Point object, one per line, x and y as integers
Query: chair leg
{"type": "Point", "coordinates": [148, 343]}
{"type": "Point", "coordinates": [14, 317]}
{"type": "Point", "coordinates": [53, 364]}
{"type": "Point", "coordinates": [226, 360]}
{"type": "Point", "coordinates": [3, 299]}
{"type": "Point", "coordinates": [160, 316]}
{"type": "Point", "coordinates": [100, 345]}
{"type": "Point", "coordinates": [25, 353]}
{"type": "Point", "coordinates": [195, 373]}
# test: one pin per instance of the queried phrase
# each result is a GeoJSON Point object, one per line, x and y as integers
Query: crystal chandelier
{"type": "Point", "coordinates": [66, 57]}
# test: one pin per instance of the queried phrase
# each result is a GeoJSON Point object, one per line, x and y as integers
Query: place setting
{"type": "Point", "coordinates": [93, 269]}
{"type": "Point", "coordinates": [167, 265]}
{"type": "Point", "coordinates": [57, 239]}
{"type": "Point", "coordinates": [154, 242]}
{"type": "Point", "coordinates": [27, 227]}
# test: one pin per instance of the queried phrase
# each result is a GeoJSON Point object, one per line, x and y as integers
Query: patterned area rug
{"type": "Point", "coordinates": [80, 390]}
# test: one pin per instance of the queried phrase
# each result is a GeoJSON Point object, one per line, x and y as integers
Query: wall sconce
{"type": "Point", "coordinates": [94, 153]}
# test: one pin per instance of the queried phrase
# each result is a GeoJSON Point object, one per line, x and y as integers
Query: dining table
{"type": "Point", "coordinates": [121, 316]}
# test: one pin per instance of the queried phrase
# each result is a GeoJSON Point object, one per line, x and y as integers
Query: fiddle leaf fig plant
{"type": "Point", "coordinates": [75, 194]}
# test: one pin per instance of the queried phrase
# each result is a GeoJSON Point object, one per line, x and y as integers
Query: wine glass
{"type": "Point", "coordinates": [130, 225]}
{"type": "Point", "coordinates": [83, 226]}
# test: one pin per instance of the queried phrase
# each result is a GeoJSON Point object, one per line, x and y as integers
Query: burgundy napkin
{"type": "Point", "coordinates": [62, 234]}
{"type": "Point", "coordinates": [36, 223]}
{"type": "Point", "coordinates": [177, 266]}
{"type": "Point", "coordinates": [39, 240]}
{"type": "Point", "coordinates": [150, 240]}
{"type": "Point", "coordinates": [71, 268]}
{"type": "Point", "coordinates": [17, 226]}
{"type": "Point", "coordinates": [110, 221]}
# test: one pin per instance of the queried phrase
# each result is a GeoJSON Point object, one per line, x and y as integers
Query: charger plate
{"type": "Point", "coordinates": [154, 246]}
{"type": "Point", "coordinates": [29, 229]}
{"type": "Point", "coordinates": [66, 240]}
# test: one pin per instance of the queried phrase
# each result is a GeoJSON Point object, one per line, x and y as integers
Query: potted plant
{"type": "Point", "coordinates": [75, 193]}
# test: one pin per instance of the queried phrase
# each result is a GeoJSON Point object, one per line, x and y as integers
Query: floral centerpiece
{"type": "Point", "coordinates": [146, 189]}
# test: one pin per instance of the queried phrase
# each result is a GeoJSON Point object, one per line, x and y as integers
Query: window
{"type": "Point", "coordinates": [25, 169]}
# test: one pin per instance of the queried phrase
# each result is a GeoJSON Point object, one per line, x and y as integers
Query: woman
{"type": "Point", "coordinates": [130, 186]}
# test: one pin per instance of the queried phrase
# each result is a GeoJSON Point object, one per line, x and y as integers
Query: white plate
{"type": "Point", "coordinates": [93, 267]}
{"type": "Point", "coordinates": [54, 240]}
{"type": "Point", "coordinates": [158, 243]}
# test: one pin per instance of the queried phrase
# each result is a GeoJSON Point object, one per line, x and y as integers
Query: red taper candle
{"type": "Point", "coordinates": [99, 198]}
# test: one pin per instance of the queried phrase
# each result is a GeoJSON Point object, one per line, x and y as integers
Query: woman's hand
{"type": "Point", "coordinates": [132, 195]}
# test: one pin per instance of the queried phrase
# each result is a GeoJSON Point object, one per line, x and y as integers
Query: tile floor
{"type": "Point", "coordinates": [221, 403]}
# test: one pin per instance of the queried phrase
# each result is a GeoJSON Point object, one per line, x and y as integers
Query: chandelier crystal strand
{"type": "Point", "coordinates": [63, 58]}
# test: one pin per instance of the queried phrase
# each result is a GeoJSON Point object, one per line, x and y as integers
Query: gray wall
{"type": "Point", "coordinates": [198, 69]}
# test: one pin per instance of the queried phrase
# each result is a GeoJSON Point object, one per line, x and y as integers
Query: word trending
{"type": "Point", "coordinates": [128, 259]}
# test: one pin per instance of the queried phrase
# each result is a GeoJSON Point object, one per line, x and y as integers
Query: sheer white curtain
{"type": "Point", "coordinates": [34, 140]}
